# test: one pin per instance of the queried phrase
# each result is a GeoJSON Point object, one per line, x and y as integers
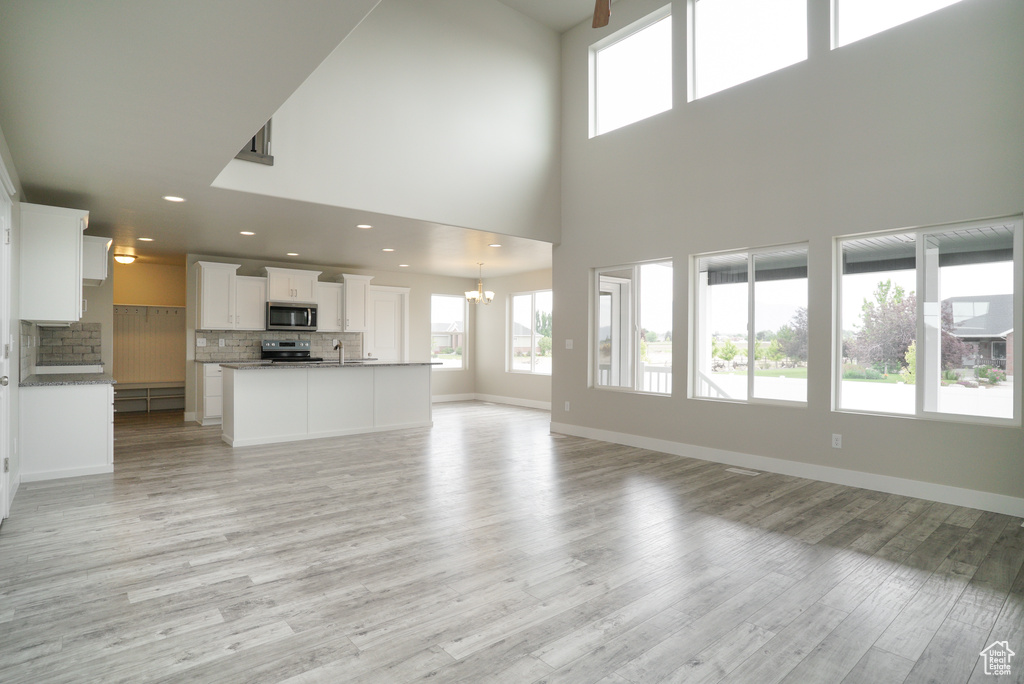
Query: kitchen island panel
{"type": "Point", "coordinates": [338, 401]}
{"type": "Point", "coordinates": [401, 396]}
{"type": "Point", "coordinates": [258, 412]}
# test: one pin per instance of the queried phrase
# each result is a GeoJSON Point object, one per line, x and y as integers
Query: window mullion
{"type": "Point", "coordinates": [751, 334]}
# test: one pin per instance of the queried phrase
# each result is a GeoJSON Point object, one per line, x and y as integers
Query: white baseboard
{"type": "Point", "coordinates": [190, 416]}
{"type": "Point", "coordinates": [66, 472]}
{"type": "Point", "coordinates": [514, 401]}
{"type": "Point", "coordinates": [494, 399]}
{"type": "Point", "coordinates": [441, 398]}
{"type": "Point", "coordinates": [958, 496]}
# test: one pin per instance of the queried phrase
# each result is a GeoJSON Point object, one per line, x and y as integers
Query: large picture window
{"type": "Point", "coordinates": [631, 73]}
{"type": "Point", "coordinates": [633, 327]}
{"type": "Point", "coordinates": [735, 41]}
{"type": "Point", "coordinates": [448, 331]}
{"type": "Point", "coordinates": [530, 333]}
{"type": "Point", "coordinates": [926, 320]}
{"type": "Point", "coordinates": [750, 332]}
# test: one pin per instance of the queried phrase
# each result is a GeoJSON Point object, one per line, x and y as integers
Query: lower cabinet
{"type": "Point", "coordinates": [212, 410]}
{"type": "Point", "coordinates": [66, 430]}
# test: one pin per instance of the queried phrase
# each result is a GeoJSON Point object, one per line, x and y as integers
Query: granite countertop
{"type": "Point", "coordinates": [261, 365]}
{"type": "Point", "coordinates": [69, 363]}
{"type": "Point", "coordinates": [54, 379]}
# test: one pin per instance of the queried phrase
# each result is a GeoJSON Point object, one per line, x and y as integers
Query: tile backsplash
{"type": "Point", "coordinates": [241, 345]}
{"type": "Point", "coordinates": [78, 344]}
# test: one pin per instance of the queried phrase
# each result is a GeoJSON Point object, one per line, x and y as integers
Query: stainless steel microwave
{"type": "Point", "coordinates": [286, 316]}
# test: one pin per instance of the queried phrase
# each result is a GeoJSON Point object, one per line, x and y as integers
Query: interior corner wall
{"type": "Point", "coordinates": [919, 125]}
{"type": "Point", "coordinates": [421, 287]}
{"type": "Point", "coordinates": [493, 379]}
{"type": "Point", "coordinates": [444, 111]}
{"type": "Point", "coordinates": [14, 322]}
{"type": "Point", "coordinates": [149, 284]}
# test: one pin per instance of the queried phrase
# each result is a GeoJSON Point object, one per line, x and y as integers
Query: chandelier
{"type": "Point", "coordinates": [479, 294]}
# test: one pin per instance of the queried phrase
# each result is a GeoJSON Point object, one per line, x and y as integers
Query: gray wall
{"type": "Point", "coordinates": [919, 125]}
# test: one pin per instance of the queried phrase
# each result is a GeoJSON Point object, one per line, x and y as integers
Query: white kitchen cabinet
{"type": "Point", "coordinates": [291, 285]}
{"type": "Point", "coordinates": [51, 263]}
{"type": "Point", "coordinates": [213, 394]}
{"type": "Point", "coordinates": [329, 311]}
{"type": "Point", "coordinates": [250, 303]}
{"type": "Point", "coordinates": [66, 430]}
{"type": "Point", "coordinates": [357, 298]}
{"type": "Point", "coordinates": [215, 287]}
{"type": "Point", "coordinates": [94, 259]}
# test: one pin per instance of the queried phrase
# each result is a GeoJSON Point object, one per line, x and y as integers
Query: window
{"type": "Point", "coordinates": [633, 327]}
{"type": "Point", "coordinates": [735, 41]}
{"type": "Point", "coordinates": [921, 313]}
{"type": "Point", "coordinates": [530, 343]}
{"type": "Point", "coordinates": [750, 333]}
{"type": "Point", "coordinates": [448, 331]}
{"type": "Point", "coordinates": [856, 19]}
{"type": "Point", "coordinates": [631, 73]}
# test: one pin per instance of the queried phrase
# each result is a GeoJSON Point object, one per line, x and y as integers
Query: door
{"type": "Point", "coordinates": [385, 338]}
{"type": "Point", "coordinates": [5, 355]}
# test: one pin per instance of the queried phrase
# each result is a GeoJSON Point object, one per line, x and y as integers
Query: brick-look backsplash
{"type": "Point", "coordinates": [242, 345]}
{"type": "Point", "coordinates": [79, 343]}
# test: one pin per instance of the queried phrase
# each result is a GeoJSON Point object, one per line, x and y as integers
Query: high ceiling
{"type": "Point", "coordinates": [109, 105]}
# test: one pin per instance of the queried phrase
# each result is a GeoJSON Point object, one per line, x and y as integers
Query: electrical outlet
{"type": "Point", "coordinates": [837, 441]}
{"type": "Point", "coordinates": [200, 341]}
{"type": "Point", "coordinates": [221, 342]}
{"type": "Point", "coordinates": [566, 407]}
{"type": "Point", "coordinates": [568, 344]}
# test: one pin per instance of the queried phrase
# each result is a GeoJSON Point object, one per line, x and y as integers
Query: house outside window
{"type": "Point", "coordinates": [448, 331]}
{"type": "Point", "coordinates": [750, 327]}
{"type": "Point", "coordinates": [921, 317]}
{"type": "Point", "coordinates": [631, 73]}
{"type": "Point", "coordinates": [632, 335]}
{"type": "Point", "coordinates": [530, 332]}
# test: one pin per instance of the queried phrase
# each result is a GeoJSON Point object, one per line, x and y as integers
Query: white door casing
{"type": "Point", "coordinates": [387, 336]}
{"type": "Point", "coordinates": [6, 341]}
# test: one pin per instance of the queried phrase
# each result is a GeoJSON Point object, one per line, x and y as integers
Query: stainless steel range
{"type": "Point", "coordinates": [287, 351]}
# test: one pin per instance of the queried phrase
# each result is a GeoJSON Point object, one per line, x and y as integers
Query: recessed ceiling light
{"type": "Point", "coordinates": [173, 198]}
{"type": "Point", "coordinates": [145, 239]}
{"type": "Point", "coordinates": [494, 244]}
{"type": "Point", "coordinates": [387, 249]}
{"type": "Point", "coordinates": [364, 226]}
{"type": "Point", "coordinates": [403, 265]}
{"type": "Point", "coordinates": [246, 232]}
{"type": "Point", "coordinates": [292, 254]}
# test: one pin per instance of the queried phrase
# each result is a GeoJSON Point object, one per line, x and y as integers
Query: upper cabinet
{"type": "Point", "coordinates": [228, 301]}
{"type": "Point", "coordinates": [329, 312]}
{"type": "Point", "coordinates": [357, 297]}
{"type": "Point", "coordinates": [51, 263]}
{"type": "Point", "coordinates": [215, 288]}
{"type": "Point", "coordinates": [94, 259]}
{"type": "Point", "coordinates": [291, 285]}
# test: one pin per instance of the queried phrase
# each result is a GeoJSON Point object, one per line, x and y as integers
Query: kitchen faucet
{"type": "Point", "coordinates": [340, 348]}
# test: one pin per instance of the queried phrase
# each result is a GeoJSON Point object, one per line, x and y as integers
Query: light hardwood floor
{"type": "Point", "coordinates": [487, 550]}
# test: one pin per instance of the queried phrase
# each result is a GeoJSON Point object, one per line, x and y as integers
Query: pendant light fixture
{"type": "Point", "coordinates": [479, 294]}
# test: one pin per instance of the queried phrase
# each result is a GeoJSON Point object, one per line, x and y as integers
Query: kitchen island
{"type": "Point", "coordinates": [283, 402]}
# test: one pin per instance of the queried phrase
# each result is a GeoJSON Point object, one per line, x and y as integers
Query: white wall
{"type": "Point", "coordinates": [493, 380]}
{"type": "Point", "coordinates": [420, 288]}
{"type": "Point", "coordinates": [14, 277]}
{"type": "Point", "coordinates": [444, 111]}
{"type": "Point", "coordinates": [916, 126]}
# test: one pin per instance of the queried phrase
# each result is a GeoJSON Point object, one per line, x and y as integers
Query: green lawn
{"type": "Point", "coordinates": [801, 373]}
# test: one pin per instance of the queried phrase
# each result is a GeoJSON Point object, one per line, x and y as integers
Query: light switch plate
{"type": "Point", "coordinates": [200, 341]}
{"type": "Point", "coordinates": [568, 344]}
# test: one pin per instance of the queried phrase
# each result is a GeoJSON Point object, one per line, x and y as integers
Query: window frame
{"type": "Point", "coordinates": [465, 332]}
{"type": "Point", "coordinates": [696, 332]}
{"type": "Point", "coordinates": [920, 278]}
{"type": "Point", "coordinates": [633, 349]}
{"type": "Point", "coordinates": [510, 339]}
{"type": "Point", "coordinates": [637, 26]}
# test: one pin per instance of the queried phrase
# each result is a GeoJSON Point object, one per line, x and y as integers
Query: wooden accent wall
{"type": "Point", "coordinates": [149, 344]}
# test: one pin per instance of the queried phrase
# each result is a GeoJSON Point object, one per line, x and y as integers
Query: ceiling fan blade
{"type": "Point", "coordinates": [602, 10]}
